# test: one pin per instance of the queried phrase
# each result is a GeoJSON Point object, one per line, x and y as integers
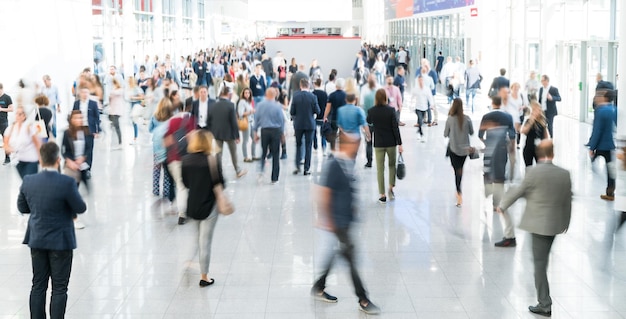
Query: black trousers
{"type": "Point", "coordinates": [3, 127]}
{"type": "Point", "coordinates": [115, 122]}
{"type": "Point", "coordinates": [457, 162]}
{"type": "Point", "coordinates": [346, 249]}
{"type": "Point", "coordinates": [369, 147]}
{"type": "Point", "coordinates": [608, 158]}
{"type": "Point", "coordinates": [530, 154]}
{"type": "Point", "coordinates": [308, 142]}
{"type": "Point", "coordinates": [270, 141]}
{"type": "Point", "coordinates": [55, 265]}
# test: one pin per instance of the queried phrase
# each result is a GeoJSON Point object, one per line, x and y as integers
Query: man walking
{"type": "Point", "coordinates": [257, 84]}
{"type": "Point", "coordinates": [601, 141]}
{"type": "Point", "coordinates": [351, 118]}
{"type": "Point", "coordinates": [52, 93]}
{"type": "Point", "coordinates": [91, 120]}
{"type": "Point", "coordinates": [337, 206]}
{"type": "Point", "coordinates": [547, 189]}
{"type": "Point", "coordinates": [6, 106]}
{"type": "Point", "coordinates": [548, 96]}
{"type": "Point", "coordinates": [472, 82]}
{"type": "Point", "coordinates": [304, 109]}
{"type": "Point", "coordinates": [498, 125]}
{"type": "Point", "coordinates": [269, 118]}
{"type": "Point", "coordinates": [394, 97]}
{"type": "Point", "coordinates": [200, 107]}
{"type": "Point", "coordinates": [52, 200]}
{"type": "Point", "coordinates": [223, 124]}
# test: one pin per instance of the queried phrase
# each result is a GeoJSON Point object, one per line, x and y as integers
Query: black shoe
{"type": "Point", "coordinates": [622, 219]}
{"type": "Point", "coordinates": [284, 156]}
{"type": "Point", "coordinates": [88, 174]}
{"type": "Point", "coordinates": [369, 308]}
{"type": "Point", "coordinates": [296, 171]}
{"type": "Point", "coordinates": [6, 162]}
{"type": "Point", "coordinates": [506, 242]}
{"type": "Point", "coordinates": [307, 173]}
{"type": "Point", "coordinates": [204, 283]}
{"type": "Point", "coordinates": [540, 310]}
{"type": "Point", "coordinates": [323, 296]}
{"type": "Point", "coordinates": [182, 220]}
{"type": "Point", "coordinates": [368, 165]}
{"type": "Point", "coordinates": [382, 199]}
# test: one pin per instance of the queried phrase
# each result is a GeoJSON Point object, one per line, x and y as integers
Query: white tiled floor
{"type": "Point", "coordinates": [420, 256]}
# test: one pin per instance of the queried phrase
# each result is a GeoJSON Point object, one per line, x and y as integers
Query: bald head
{"type": "Point", "coordinates": [271, 93]}
{"type": "Point", "coordinates": [545, 150]}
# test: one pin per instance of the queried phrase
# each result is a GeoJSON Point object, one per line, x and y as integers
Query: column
{"type": "Point", "coordinates": [620, 189]}
{"type": "Point", "coordinates": [157, 31]}
{"type": "Point", "coordinates": [130, 35]}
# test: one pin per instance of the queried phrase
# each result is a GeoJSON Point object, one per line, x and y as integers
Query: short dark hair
{"type": "Point", "coordinates": [49, 153]}
{"type": "Point", "coordinates": [331, 76]}
{"type": "Point", "coordinates": [350, 97]}
{"type": "Point", "coordinates": [496, 100]}
{"type": "Point", "coordinates": [304, 83]}
{"type": "Point", "coordinates": [318, 82]}
{"type": "Point", "coordinates": [502, 71]}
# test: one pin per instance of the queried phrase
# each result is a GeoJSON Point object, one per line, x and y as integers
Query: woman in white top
{"type": "Point", "coordinates": [518, 101]}
{"type": "Point", "coordinates": [380, 70]}
{"type": "Point", "coordinates": [21, 140]}
{"type": "Point", "coordinates": [116, 108]}
{"type": "Point", "coordinates": [228, 81]}
{"type": "Point", "coordinates": [244, 108]}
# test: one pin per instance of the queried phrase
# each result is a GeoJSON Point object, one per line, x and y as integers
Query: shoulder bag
{"type": "Point", "coordinates": [242, 121]}
{"type": "Point", "coordinates": [40, 125]}
{"type": "Point", "coordinates": [223, 203]}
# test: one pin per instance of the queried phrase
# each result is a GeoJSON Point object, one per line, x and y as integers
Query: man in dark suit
{"type": "Point", "coordinates": [200, 69]}
{"type": "Point", "coordinates": [498, 83]}
{"type": "Point", "coordinates": [257, 84]}
{"type": "Point", "coordinates": [304, 109]}
{"type": "Point", "coordinates": [52, 200]}
{"type": "Point", "coordinates": [548, 96]}
{"type": "Point", "coordinates": [548, 192]}
{"type": "Point", "coordinates": [200, 108]}
{"type": "Point", "coordinates": [296, 79]}
{"type": "Point", "coordinates": [223, 124]}
{"type": "Point", "coordinates": [91, 119]}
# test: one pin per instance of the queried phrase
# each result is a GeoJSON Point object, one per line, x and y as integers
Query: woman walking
{"type": "Point", "coordinates": [158, 127]}
{"type": "Point", "coordinates": [116, 107]}
{"type": "Point", "coordinates": [535, 129]}
{"type": "Point", "coordinates": [199, 178]}
{"type": "Point", "coordinates": [244, 109]}
{"type": "Point", "coordinates": [21, 139]}
{"type": "Point", "coordinates": [458, 129]}
{"type": "Point", "coordinates": [386, 137]}
{"type": "Point", "coordinates": [74, 147]}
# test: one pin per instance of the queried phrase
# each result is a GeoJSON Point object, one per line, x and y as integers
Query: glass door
{"type": "Point", "coordinates": [571, 87]}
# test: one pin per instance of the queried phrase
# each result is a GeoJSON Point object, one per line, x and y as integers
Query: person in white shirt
{"type": "Point", "coordinates": [532, 86]}
{"type": "Point", "coordinates": [517, 100]}
{"type": "Point", "coordinates": [513, 110]}
{"type": "Point", "coordinates": [423, 98]}
{"type": "Point", "coordinates": [447, 72]}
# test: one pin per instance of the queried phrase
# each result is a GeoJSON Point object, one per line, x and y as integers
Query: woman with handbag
{"type": "Point", "coordinates": [245, 110]}
{"type": "Point", "coordinates": [458, 129]}
{"type": "Point", "coordinates": [158, 126]}
{"type": "Point", "coordinates": [198, 177]}
{"type": "Point", "coordinates": [74, 144]}
{"type": "Point", "coordinates": [22, 141]}
{"type": "Point", "coordinates": [386, 136]}
{"type": "Point", "coordinates": [43, 114]}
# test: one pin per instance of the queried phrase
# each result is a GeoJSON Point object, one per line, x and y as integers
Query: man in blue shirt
{"type": "Point", "coordinates": [601, 141]}
{"type": "Point", "coordinates": [336, 100]}
{"type": "Point", "coordinates": [269, 118]}
{"type": "Point", "coordinates": [350, 118]}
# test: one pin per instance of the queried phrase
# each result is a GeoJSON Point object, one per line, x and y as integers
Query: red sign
{"type": "Point", "coordinates": [474, 12]}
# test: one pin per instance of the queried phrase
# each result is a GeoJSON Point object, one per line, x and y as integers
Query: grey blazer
{"type": "Point", "coordinates": [548, 192]}
{"type": "Point", "coordinates": [222, 120]}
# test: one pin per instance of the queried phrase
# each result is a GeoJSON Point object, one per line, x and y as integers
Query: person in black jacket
{"type": "Point", "coordinates": [304, 110]}
{"type": "Point", "coordinates": [386, 137]}
{"type": "Point", "coordinates": [74, 147]}
{"type": "Point", "coordinates": [197, 177]}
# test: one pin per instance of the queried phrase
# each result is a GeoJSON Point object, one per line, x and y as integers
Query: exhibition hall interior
{"type": "Point", "coordinates": [384, 158]}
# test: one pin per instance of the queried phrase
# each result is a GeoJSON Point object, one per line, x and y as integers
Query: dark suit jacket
{"type": "Point", "coordinates": [196, 176]}
{"type": "Point", "coordinates": [386, 132]}
{"type": "Point", "coordinates": [550, 105]}
{"type": "Point", "coordinates": [257, 86]}
{"type": "Point", "coordinates": [222, 120]}
{"type": "Point", "coordinates": [93, 115]}
{"type": "Point", "coordinates": [52, 200]}
{"type": "Point", "coordinates": [303, 108]}
{"type": "Point", "coordinates": [195, 105]}
{"type": "Point", "coordinates": [500, 82]}
{"type": "Point", "coordinates": [67, 146]}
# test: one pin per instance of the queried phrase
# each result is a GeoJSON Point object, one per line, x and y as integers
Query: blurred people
{"type": "Point", "coordinates": [423, 98]}
{"type": "Point", "coordinates": [54, 101]}
{"type": "Point", "coordinates": [547, 189]}
{"type": "Point", "coordinates": [536, 129]}
{"type": "Point", "coordinates": [258, 85]}
{"type": "Point", "coordinates": [52, 201]}
{"type": "Point", "coordinates": [338, 203]}
{"type": "Point", "coordinates": [336, 100]}
{"type": "Point", "coordinates": [367, 101]}
{"type": "Point", "coordinates": [395, 98]}
{"type": "Point", "coordinates": [269, 118]}
{"type": "Point", "coordinates": [304, 110]}
{"type": "Point", "coordinates": [458, 129]}
{"type": "Point", "coordinates": [498, 126]}
{"type": "Point", "coordinates": [74, 148]}
{"type": "Point", "coordinates": [136, 97]}
{"type": "Point", "coordinates": [601, 142]}
{"type": "Point", "coordinates": [473, 78]}
{"type": "Point", "coordinates": [42, 103]}
{"type": "Point", "coordinates": [244, 108]}
{"type": "Point", "coordinates": [6, 106]}
{"type": "Point", "coordinates": [532, 86]}
{"type": "Point", "coordinates": [548, 96]}
{"type": "Point", "coordinates": [116, 108]}
{"type": "Point", "coordinates": [22, 140]}
{"type": "Point", "coordinates": [199, 178]}
{"type": "Point", "coordinates": [386, 136]}
{"type": "Point", "coordinates": [158, 127]}
{"type": "Point", "coordinates": [322, 99]}
{"type": "Point", "coordinates": [91, 120]}
{"type": "Point", "coordinates": [223, 125]}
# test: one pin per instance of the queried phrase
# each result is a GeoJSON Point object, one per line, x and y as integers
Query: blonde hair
{"type": "Point", "coordinates": [351, 86]}
{"type": "Point", "coordinates": [164, 110]}
{"type": "Point", "coordinates": [201, 141]}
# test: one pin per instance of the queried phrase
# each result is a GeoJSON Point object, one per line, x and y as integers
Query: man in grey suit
{"type": "Point", "coordinates": [304, 108]}
{"type": "Point", "coordinates": [548, 192]}
{"type": "Point", "coordinates": [52, 201]}
{"type": "Point", "coordinates": [223, 124]}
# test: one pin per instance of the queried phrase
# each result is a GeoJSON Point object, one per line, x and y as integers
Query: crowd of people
{"type": "Point", "coordinates": [190, 110]}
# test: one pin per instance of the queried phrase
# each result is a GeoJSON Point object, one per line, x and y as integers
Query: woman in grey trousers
{"type": "Point", "coordinates": [458, 129]}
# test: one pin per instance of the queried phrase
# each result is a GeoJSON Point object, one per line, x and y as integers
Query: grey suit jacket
{"type": "Point", "coordinates": [548, 192]}
{"type": "Point", "coordinates": [222, 120]}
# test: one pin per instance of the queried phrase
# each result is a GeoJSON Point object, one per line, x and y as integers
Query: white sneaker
{"type": "Point", "coordinates": [423, 140]}
{"type": "Point", "coordinates": [78, 224]}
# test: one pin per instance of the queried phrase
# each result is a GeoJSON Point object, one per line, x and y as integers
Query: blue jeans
{"type": "Point", "coordinates": [268, 80]}
{"type": "Point", "coordinates": [469, 92]}
{"type": "Point", "coordinates": [55, 265]}
{"type": "Point", "coordinates": [257, 100]}
{"type": "Point", "coordinates": [322, 137]}
{"type": "Point", "coordinates": [270, 140]}
{"type": "Point", "coordinates": [27, 168]}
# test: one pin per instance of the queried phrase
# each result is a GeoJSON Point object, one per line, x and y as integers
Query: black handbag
{"type": "Point", "coordinates": [400, 168]}
{"type": "Point", "coordinates": [473, 153]}
{"type": "Point", "coordinates": [326, 128]}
